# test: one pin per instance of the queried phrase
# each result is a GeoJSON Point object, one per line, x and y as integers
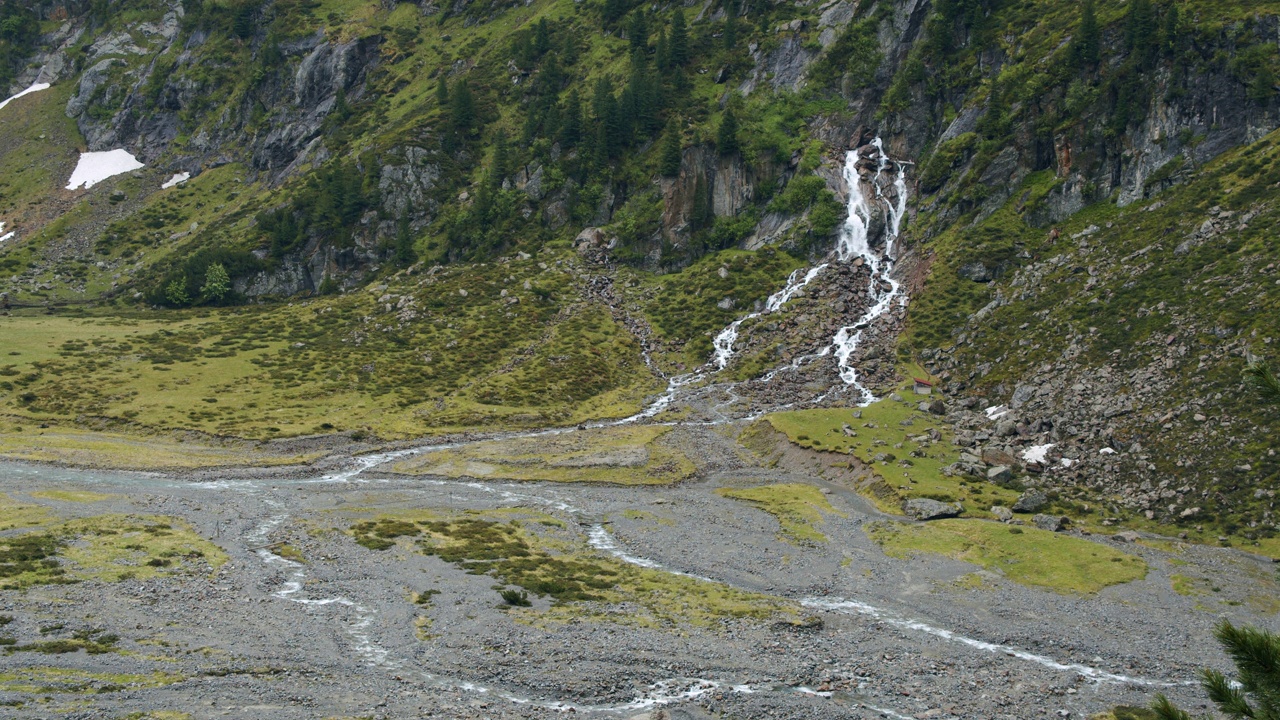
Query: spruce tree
{"type": "Point", "coordinates": [571, 126]}
{"type": "Point", "coordinates": [462, 109]}
{"type": "Point", "coordinates": [442, 92]}
{"type": "Point", "coordinates": [727, 136]}
{"type": "Point", "coordinates": [405, 254]}
{"type": "Point", "coordinates": [679, 40]}
{"type": "Point", "coordinates": [1141, 38]}
{"type": "Point", "coordinates": [662, 52]}
{"type": "Point", "coordinates": [1256, 691]}
{"type": "Point", "coordinates": [541, 38]}
{"type": "Point", "coordinates": [1084, 48]}
{"type": "Point", "coordinates": [671, 151]}
{"type": "Point", "coordinates": [1171, 32]}
{"type": "Point", "coordinates": [638, 33]}
{"type": "Point", "coordinates": [731, 27]}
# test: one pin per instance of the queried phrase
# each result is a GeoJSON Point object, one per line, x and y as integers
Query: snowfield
{"type": "Point", "coordinates": [33, 89]}
{"type": "Point", "coordinates": [94, 167]}
{"type": "Point", "coordinates": [177, 179]}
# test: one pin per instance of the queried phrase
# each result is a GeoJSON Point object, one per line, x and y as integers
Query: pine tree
{"type": "Point", "coordinates": [571, 126]}
{"type": "Point", "coordinates": [638, 33]}
{"type": "Point", "coordinates": [731, 26]}
{"type": "Point", "coordinates": [1141, 38]}
{"type": "Point", "coordinates": [1171, 33]}
{"type": "Point", "coordinates": [679, 40]}
{"type": "Point", "coordinates": [541, 38]}
{"type": "Point", "coordinates": [662, 52]}
{"type": "Point", "coordinates": [405, 254]}
{"type": "Point", "coordinates": [462, 109]}
{"type": "Point", "coordinates": [442, 92]}
{"type": "Point", "coordinates": [1256, 691]}
{"type": "Point", "coordinates": [1264, 84]}
{"type": "Point", "coordinates": [1084, 48]}
{"type": "Point", "coordinates": [672, 154]}
{"type": "Point", "coordinates": [727, 136]}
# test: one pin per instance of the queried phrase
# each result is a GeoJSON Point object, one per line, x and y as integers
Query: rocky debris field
{"type": "Point", "coordinates": [729, 617]}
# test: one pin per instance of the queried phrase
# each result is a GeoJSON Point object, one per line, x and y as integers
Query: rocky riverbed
{"type": "Point", "coordinates": [302, 621]}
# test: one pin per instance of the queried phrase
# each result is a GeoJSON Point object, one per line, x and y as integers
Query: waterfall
{"type": "Point", "coordinates": [854, 241]}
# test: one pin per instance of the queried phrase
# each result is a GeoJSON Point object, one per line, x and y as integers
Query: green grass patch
{"type": "Point", "coordinates": [799, 508]}
{"type": "Point", "coordinates": [1032, 557]}
{"type": "Point", "coordinates": [634, 455]}
{"type": "Point", "coordinates": [551, 562]}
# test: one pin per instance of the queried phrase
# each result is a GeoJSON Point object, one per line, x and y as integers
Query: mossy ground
{"type": "Point", "coordinates": [542, 557]}
{"type": "Point", "coordinates": [799, 508]}
{"type": "Point", "coordinates": [1026, 555]}
{"type": "Point", "coordinates": [105, 548]}
{"type": "Point", "coordinates": [892, 439]}
{"type": "Point", "coordinates": [54, 681]}
{"type": "Point", "coordinates": [632, 455]}
{"type": "Point", "coordinates": [460, 348]}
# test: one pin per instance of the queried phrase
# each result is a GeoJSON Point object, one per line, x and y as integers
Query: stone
{"type": "Point", "coordinates": [1128, 536]}
{"type": "Point", "coordinates": [1052, 523]}
{"type": "Point", "coordinates": [1031, 501]}
{"type": "Point", "coordinates": [927, 509]}
{"type": "Point", "coordinates": [1002, 513]}
{"type": "Point", "coordinates": [1006, 428]}
{"type": "Point", "coordinates": [1000, 473]}
{"type": "Point", "coordinates": [937, 408]}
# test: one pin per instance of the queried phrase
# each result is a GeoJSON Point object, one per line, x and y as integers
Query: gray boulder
{"type": "Point", "coordinates": [1052, 523]}
{"type": "Point", "coordinates": [1000, 473]}
{"type": "Point", "coordinates": [1002, 513]}
{"type": "Point", "coordinates": [1127, 536]}
{"type": "Point", "coordinates": [1031, 501]}
{"type": "Point", "coordinates": [926, 509]}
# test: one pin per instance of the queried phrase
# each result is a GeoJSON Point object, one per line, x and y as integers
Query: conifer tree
{"type": "Point", "coordinates": [571, 127]}
{"type": "Point", "coordinates": [541, 38]}
{"type": "Point", "coordinates": [679, 40]}
{"type": "Point", "coordinates": [462, 109]}
{"type": "Point", "coordinates": [405, 254]}
{"type": "Point", "coordinates": [727, 136]}
{"type": "Point", "coordinates": [671, 151]}
{"type": "Point", "coordinates": [731, 26]}
{"type": "Point", "coordinates": [1256, 691]}
{"type": "Point", "coordinates": [1141, 38]}
{"type": "Point", "coordinates": [1171, 32]}
{"type": "Point", "coordinates": [442, 92]}
{"type": "Point", "coordinates": [638, 33]}
{"type": "Point", "coordinates": [1084, 48]}
{"type": "Point", "coordinates": [662, 52]}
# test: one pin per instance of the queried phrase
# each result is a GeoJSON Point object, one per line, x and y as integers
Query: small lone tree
{"type": "Point", "coordinates": [1255, 693]}
{"type": "Point", "coordinates": [217, 283]}
{"type": "Point", "coordinates": [175, 293]}
{"type": "Point", "coordinates": [1259, 375]}
{"type": "Point", "coordinates": [727, 137]}
{"type": "Point", "coordinates": [671, 150]}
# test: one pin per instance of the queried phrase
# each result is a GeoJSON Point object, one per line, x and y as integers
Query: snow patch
{"type": "Point", "coordinates": [177, 179]}
{"type": "Point", "coordinates": [7, 236]}
{"type": "Point", "coordinates": [33, 89]}
{"type": "Point", "coordinates": [94, 167]}
{"type": "Point", "coordinates": [1068, 462]}
{"type": "Point", "coordinates": [996, 411]}
{"type": "Point", "coordinates": [1106, 451]}
{"type": "Point", "coordinates": [1037, 453]}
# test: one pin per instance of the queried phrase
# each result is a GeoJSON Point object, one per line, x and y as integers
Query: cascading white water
{"type": "Point", "coordinates": [854, 241]}
{"type": "Point", "coordinates": [724, 341]}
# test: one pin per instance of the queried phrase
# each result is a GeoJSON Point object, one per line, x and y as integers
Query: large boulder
{"type": "Point", "coordinates": [1031, 501]}
{"type": "Point", "coordinates": [1000, 474]}
{"type": "Point", "coordinates": [1052, 523]}
{"type": "Point", "coordinates": [1002, 513]}
{"type": "Point", "coordinates": [926, 509]}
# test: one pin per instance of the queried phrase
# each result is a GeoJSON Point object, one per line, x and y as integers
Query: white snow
{"type": "Point", "coordinates": [1068, 462]}
{"type": "Point", "coordinates": [7, 236]}
{"type": "Point", "coordinates": [996, 411]}
{"type": "Point", "coordinates": [34, 88]}
{"type": "Point", "coordinates": [1106, 451]}
{"type": "Point", "coordinates": [1037, 453]}
{"type": "Point", "coordinates": [177, 179]}
{"type": "Point", "coordinates": [94, 167]}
